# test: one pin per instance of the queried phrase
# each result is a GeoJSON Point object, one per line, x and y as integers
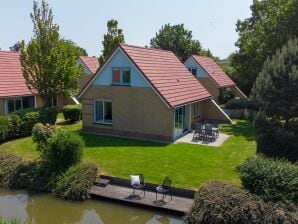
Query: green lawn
{"type": "Point", "coordinates": [188, 165]}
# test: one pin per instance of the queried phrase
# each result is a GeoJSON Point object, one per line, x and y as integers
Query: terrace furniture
{"type": "Point", "coordinates": [137, 182]}
{"type": "Point", "coordinates": [198, 133]}
{"type": "Point", "coordinates": [165, 188]}
{"type": "Point", "coordinates": [210, 134]}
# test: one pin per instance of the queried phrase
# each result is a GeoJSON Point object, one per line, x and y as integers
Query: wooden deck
{"type": "Point", "coordinates": [124, 194]}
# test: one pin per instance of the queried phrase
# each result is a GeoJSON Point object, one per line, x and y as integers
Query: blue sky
{"type": "Point", "coordinates": [84, 21]}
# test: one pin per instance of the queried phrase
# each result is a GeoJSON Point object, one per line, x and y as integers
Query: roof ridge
{"type": "Point", "coordinates": [7, 51]}
{"type": "Point", "coordinates": [147, 48]}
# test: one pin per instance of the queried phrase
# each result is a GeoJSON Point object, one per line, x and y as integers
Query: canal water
{"type": "Point", "coordinates": [46, 209]}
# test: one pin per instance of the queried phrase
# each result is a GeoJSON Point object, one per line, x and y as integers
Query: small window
{"type": "Point", "coordinates": [54, 102]}
{"type": "Point", "coordinates": [116, 76]}
{"type": "Point", "coordinates": [103, 112]}
{"type": "Point", "coordinates": [193, 70]}
{"type": "Point", "coordinates": [196, 111]}
{"type": "Point", "coordinates": [126, 76]}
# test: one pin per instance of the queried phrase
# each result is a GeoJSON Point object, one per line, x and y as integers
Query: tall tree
{"type": "Point", "coordinates": [74, 48]}
{"type": "Point", "coordinates": [276, 93]}
{"type": "Point", "coordinates": [178, 39]}
{"type": "Point", "coordinates": [48, 67]}
{"type": "Point", "coordinates": [111, 39]}
{"type": "Point", "coordinates": [272, 24]}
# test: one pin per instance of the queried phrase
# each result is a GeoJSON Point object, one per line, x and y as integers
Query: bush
{"type": "Point", "coordinates": [48, 115]}
{"type": "Point", "coordinates": [225, 95]}
{"type": "Point", "coordinates": [15, 124]}
{"type": "Point", "coordinates": [40, 135]}
{"type": "Point", "coordinates": [4, 128]}
{"type": "Point", "coordinates": [28, 121]}
{"type": "Point", "coordinates": [72, 113]}
{"type": "Point", "coordinates": [238, 114]}
{"type": "Point", "coordinates": [76, 182]}
{"type": "Point", "coordinates": [65, 149]}
{"type": "Point", "coordinates": [273, 180]}
{"type": "Point", "coordinates": [236, 104]}
{"type": "Point", "coordinates": [219, 202]}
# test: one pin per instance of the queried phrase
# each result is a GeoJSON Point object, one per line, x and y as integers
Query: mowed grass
{"type": "Point", "coordinates": [188, 165]}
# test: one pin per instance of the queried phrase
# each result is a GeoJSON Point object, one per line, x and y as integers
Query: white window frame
{"type": "Point", "coordinates": [196, 110]}
{"type": "Point", "coordinates": [52, 102]}
{"type": "Point", "coordinates": [121, 69]}
{"type": "Point", "coordinates": [14, 103]}
{"type": "Point", "coordinates": [103, 108]}
{"type": "Point", "coordinates": [190, 70]}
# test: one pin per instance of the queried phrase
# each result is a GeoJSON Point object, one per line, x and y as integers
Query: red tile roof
{"type": "Point", "coordinates": [91, 63]}
{"type": "Point", "coordinates": [214, 71]}
{"type": "Point", "coordinates": [167, 75]}
{"type": "Point", "coordinates": [12, 82]}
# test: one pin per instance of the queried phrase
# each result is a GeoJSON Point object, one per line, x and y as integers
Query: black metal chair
{"type": "Point", "coordinates": [165, 188]}
{"type": "Point", "coordinates": [210, 134]}
{"type": "Point", "coordinates": [198, 133]}
{"type": "Point", "coordinates": [215, 127]}
{"type": "Point", "coordinates": [140, 186]}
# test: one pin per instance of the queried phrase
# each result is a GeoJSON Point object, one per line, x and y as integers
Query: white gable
{"type": "Point", "coordinates": [191, 63]}
{"type": "Point", "coordinates": [85, 69]}
{"type": "Point", "coordinates": [120, 60]}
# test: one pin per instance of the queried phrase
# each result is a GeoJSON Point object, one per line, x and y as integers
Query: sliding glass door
{"type": "Point", "coordinates": [179, 122]}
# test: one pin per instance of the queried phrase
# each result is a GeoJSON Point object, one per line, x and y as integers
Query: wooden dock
{"type": "Point", "coordinates": [178, 204]}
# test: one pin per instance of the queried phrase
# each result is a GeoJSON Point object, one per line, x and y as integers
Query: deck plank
{"type": "Point", "coordinates": [121, 193]}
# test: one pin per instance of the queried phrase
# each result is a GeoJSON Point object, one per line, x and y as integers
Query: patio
{"type": "Point", "coordinates": [188, 138]}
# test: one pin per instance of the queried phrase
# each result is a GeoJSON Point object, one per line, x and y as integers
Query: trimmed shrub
{"type": "Point", "coordinates": [65, 149]}
{"type": "Point", "coordinates": [72, 113]}
{"type": "Point", "coordinates": [238, 114]}
{"type": "Point", "coordinates": [15, 124]}
{"type": "Point", "coordinates": [4, 128]}
{"type": "Point", "coordinates": [220, 202]}
{"type": "Point", "coordinates": [273, 180]}
{"type": "Point", "coordinates": [29, 119]}
{"type": "Point", "coordinates": [76, 182]}
{"type": "Point", "coordinates": [40, 135]}
{"type": "Point", "coordinates": [236, 104]}
{"type": "Point", "coordinates": [48, 115]}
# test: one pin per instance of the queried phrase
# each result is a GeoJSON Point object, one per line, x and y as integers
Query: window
{"type": "Point", "coordinates": [116, 76]}
{"type": "Point", "coordinates": [19, 103]}
{"type": "Point", "coordinates": [193, 71]}
{"type": "Point", "coordinates": [54, 102]}
{"type": "Point", "coordinates": [196, 112]}
{"type": "Point", "coordinates": [126, 76]}
{"type": "Point", "coordinates": [121, 76]}
{"type": "Point", "coordinates": [103, 111]}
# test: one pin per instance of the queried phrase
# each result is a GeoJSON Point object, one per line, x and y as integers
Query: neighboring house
{"type": "Point", "coordinates": [212, 77]}
{"type": "Point", "coordinates": [145, 93]}
{"type": "Point", "coordinates": [14, 93]}
{"type": "Point", "coordinates": [90, 66]}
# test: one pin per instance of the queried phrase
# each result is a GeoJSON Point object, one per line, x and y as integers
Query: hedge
{"type": "Point", "coordinates": [72, 113]}
{"type": "Point", "coordinates": [65, 149]}
{"type": "Point", "coordinates": [241, 104]}
{"type": "Point", "coordinates": [76, 182]}
{"type": "Point", "coordinates": [4, 128]}
{"type": "Point", "coordinates": [220, 202]}
{"type": "Point", "coordinates": [273, 180]}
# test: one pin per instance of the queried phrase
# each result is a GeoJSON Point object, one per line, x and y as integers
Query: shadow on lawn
{"type": "Point", "coordinates": [241, 128]}
{"type": "Point", "coordinates": [110, 141]}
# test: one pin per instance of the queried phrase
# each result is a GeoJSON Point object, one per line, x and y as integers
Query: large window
{"type": "Point", "coordinates": [54, 102]}
{"type": "Point", "coordinates": [121, 76]}
{"type": "Point", "coordinates": [196, 112]}
{"type": "Point", "coordinates": [193, 71]}
{"type": "Point", "coordinates": [19, 103]}
{"type": "Point", "coordinates": [103, 111]}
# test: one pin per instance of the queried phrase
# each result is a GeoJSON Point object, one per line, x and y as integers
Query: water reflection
{"type": "Point", "coordinates": [45, 209]}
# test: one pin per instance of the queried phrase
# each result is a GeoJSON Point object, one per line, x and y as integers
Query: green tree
{"type": "Point", "coordinates": [111, 39]}
{"type": "Point", "coordinates": [48, 67]}
{"type": "Point", "coordinates": [178, 39]}
{"type": "Point", "coordinates": [73, 48]}
{"type": "Point", "coordinates": [272, 24]}
{"type": "Point", "coordinates": [276, 93]}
